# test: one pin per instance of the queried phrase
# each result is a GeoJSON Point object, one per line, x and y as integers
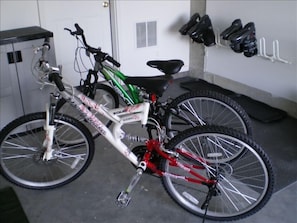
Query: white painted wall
{"type": "Point", "coordinates": [90, 15]}
{"type": "Point", "coordinates": [170, 16]}
{"type": "Point", "coordinates": [273, 20]}
{"type": "Point", "coordinates": [55, 16]}
{"type": "Point", "coordinates": [17, 14]}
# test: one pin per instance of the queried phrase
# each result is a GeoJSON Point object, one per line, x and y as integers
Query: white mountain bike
{"type": "Point", "coordinates": [213, 172]}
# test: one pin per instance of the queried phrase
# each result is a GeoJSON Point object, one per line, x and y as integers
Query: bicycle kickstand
{"type": "Point", "coordinates": [123, 199]}
{"type": "Point", "coordinates": [213, 191]}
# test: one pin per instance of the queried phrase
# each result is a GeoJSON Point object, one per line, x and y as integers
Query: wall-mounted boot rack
{"type": "Point", "coordinates": [275, 57]}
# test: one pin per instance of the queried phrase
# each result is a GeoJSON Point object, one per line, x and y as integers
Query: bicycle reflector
{"type": "Point", "coordinates": [153, 97]}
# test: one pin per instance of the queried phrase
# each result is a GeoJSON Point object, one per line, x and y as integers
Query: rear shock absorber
{"type": "Point", "coordinates": [135, 138]}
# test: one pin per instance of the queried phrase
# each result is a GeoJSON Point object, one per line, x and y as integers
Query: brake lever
{"type": "Point", "coordinates": [71, 32]}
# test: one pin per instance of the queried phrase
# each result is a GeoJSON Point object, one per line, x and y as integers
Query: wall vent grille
{"type": "Point", "coordinates": [146, 34]}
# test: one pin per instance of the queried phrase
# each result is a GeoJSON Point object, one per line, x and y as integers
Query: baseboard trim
{"type": "Point", "coordinates": [281, 103]}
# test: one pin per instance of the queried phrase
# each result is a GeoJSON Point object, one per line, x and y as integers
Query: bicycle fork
{"type": "Point", "coordinates": [49, 128]}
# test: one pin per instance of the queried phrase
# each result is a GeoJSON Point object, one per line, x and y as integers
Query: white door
{"type": "Point", "coordinates": [93, 16]}
{"type": "Point", "coordinates": [148, 30]}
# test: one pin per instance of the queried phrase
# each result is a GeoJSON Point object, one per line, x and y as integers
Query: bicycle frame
{"type": "Point", "coordinates": [110, 74]}
{"type": "Point", "coordinates": [63, 147]}
{"type": "Point", "coordinates": [154, 145]}
{"type": "Point", "coordinates": [119, 116]}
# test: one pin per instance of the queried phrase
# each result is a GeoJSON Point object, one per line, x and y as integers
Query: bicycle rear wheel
{"type": "Point", "coordinates": [104, 95]}
{"type": "Point", "coordinates": [205, 108]}
{"type": "Point", "coordinates": [244, 180]}
{"type": "Point", "coordinates": [21, 152]}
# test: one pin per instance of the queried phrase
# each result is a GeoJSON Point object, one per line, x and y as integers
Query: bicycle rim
{"type": "Point", "coordinates": [206, 108]}
{"type": "Point", "coordinates": [21, 152]}
{"type": "Point", "coordinates": [245, 180]}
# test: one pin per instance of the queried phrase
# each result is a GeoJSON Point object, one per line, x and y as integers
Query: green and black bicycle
{"type": "Point", "coordinates": [201, 107]}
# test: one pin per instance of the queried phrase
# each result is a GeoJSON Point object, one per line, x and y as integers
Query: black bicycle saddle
{"type": "Point", "coordinates": [152, 85]}
{"type": "Point", "coordinates": [193, 20]}
{"type": "Point", "coordinates": [168, 67]}
{"type": "Point", "coordinates": [235, 26]}
{"type": "Point", "coordinates": [202, 32]}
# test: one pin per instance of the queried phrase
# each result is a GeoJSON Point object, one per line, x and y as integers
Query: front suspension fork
{"type": "Point", "coordinates": [49, 127]}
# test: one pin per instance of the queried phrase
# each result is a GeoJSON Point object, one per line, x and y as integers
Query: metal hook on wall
{"type": "Point", "coordinates": [275, 56]}
{"type": "Point", "coordinates": [218, 38]}
{"type": "Point", "coordinates": [275, 45]}
{"type": "Point", "coordinates": [262, 50]}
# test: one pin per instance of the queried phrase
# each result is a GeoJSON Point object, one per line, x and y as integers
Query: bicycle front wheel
{"type": "Point", "coordinates": [21, 151]}
{"type": "Point", "coordinates": [205, 108]}
{"type": "Point", "coordinates": [104, 95]}
{"type": "Point", "coordinates": [243, 183]}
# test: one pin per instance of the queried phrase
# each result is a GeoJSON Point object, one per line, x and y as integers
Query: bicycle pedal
{"type": "Point", "coordinates": [123, 199]}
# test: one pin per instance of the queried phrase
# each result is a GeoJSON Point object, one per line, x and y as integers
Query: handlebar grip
{"type": "Point", "coordinates": [79, 30]}
{"type": "Point", "coordinates": [47, 43]}
{"type": "Point", "coordinates": [44, 49]}
{"type": "Point", "coordinates": [55, 77]}
{"type": "Point", "coordinates": [113, 61]}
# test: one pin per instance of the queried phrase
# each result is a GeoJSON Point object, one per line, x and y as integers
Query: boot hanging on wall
{"type": "Point", "coordinates": [203, 32]}
{"type": "Point", "coordinates": [199, 29]}
{"type": "Point", "coordinates": [193, 21]}
{"type": "Point", "coordinates": [235, 26]}
{"type": "Point", "coordinates": [242, 40]}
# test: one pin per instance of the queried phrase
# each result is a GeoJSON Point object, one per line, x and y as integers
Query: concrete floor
{"type": "Point", "coordinates": [91, 198]}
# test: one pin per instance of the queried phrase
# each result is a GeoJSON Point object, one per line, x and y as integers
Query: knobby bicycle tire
{"type": "Point", "coordinates": [205, 107]}
{"type": "Point", "coordinates": [22, 149]}
{"type": "Point", "coordinates": [244, 181]}
{"type": "Point", "coordinates": [104, 95]}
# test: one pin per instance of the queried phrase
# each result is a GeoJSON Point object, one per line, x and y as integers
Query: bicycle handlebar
{"type": "Point", "coordinates": [57, 79]}
{"type": "Point", "coordinates": [101, 55]}
{"type": "Point", "coordinates": [46, 46]}
{"type": "Point", "coordinates": [113, 61]}
{"type": "Point", "coordinates": [45, 68]}
{"type": "Point", "coordinates": [79, 30]}
{"type": "Point", "coordinates": [53, 72]}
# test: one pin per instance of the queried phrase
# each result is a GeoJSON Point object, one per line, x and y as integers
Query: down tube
{"type": "Point", "coordinates": [133, 98]}
{"type": "Point", "coordinates": [105, 132]}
